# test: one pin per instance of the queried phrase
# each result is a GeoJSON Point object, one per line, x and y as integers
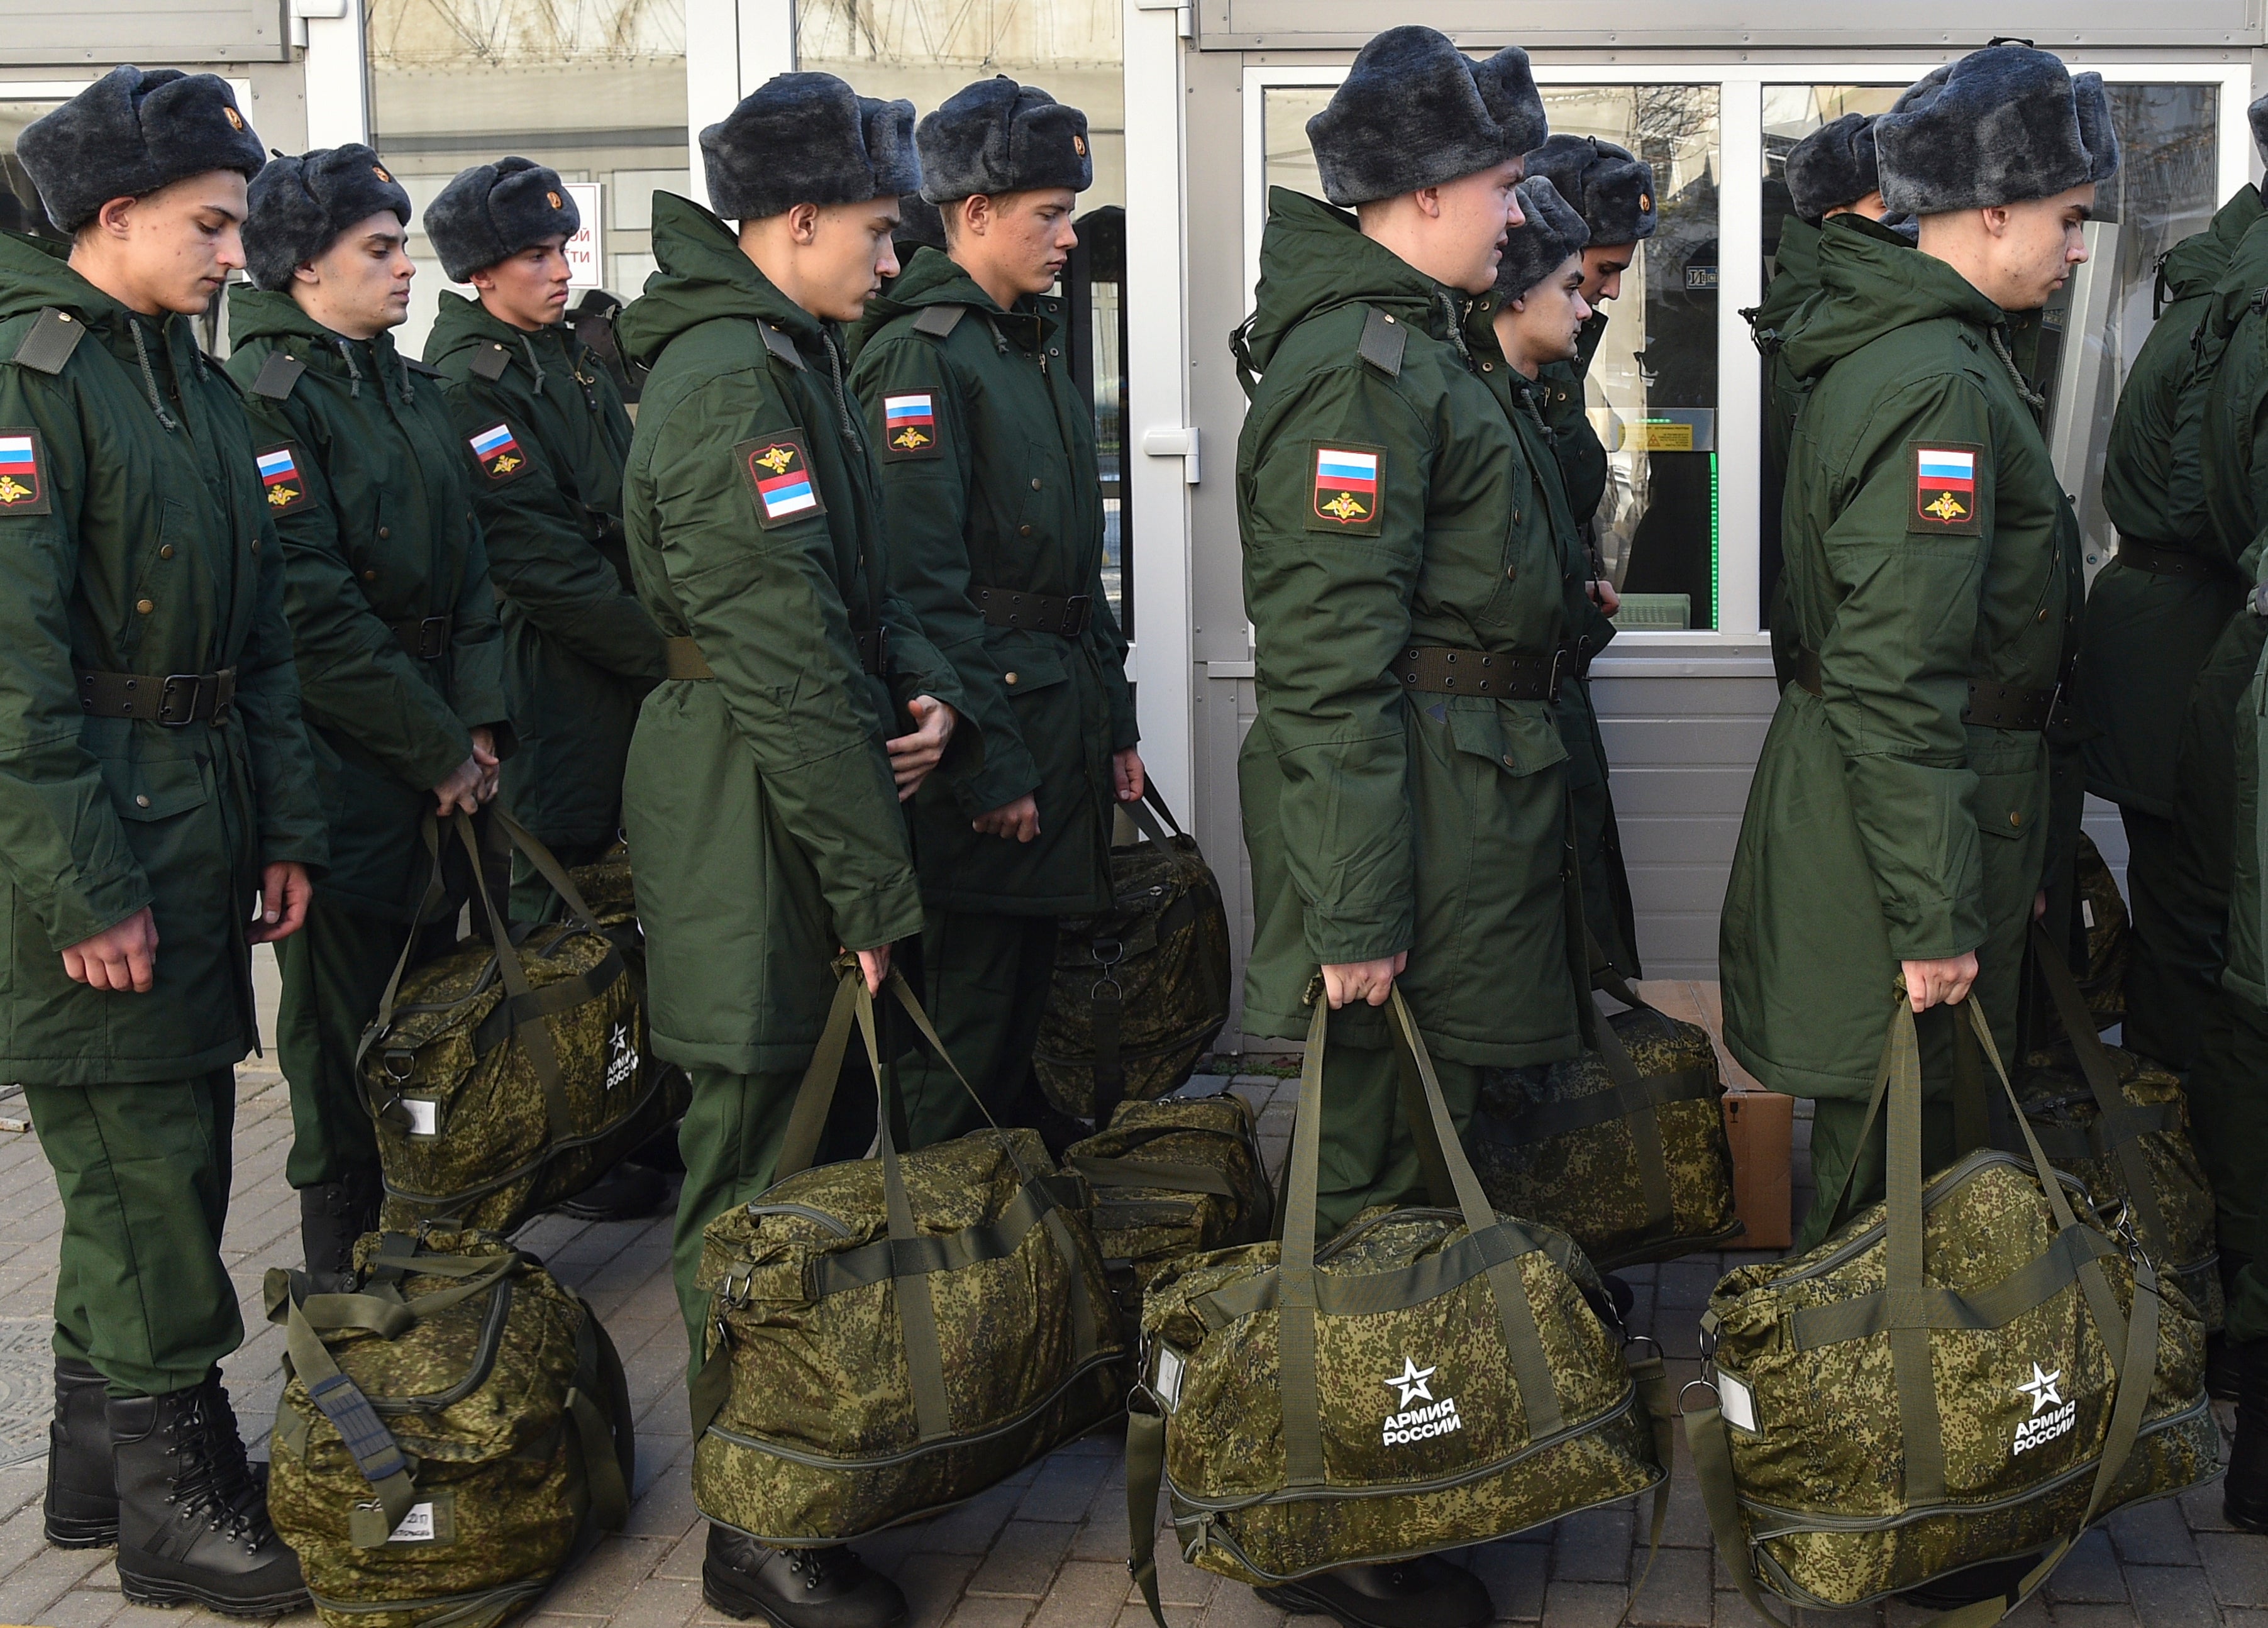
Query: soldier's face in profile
{"type": "Point", "coordinates": [1545, 324]}
{"type": "Point", "coordinates": [1023, 238]}
{"type": "Point", "coordinates": [173, 247]}
{"type": "Point", "coordinates": [1473, 213]}
{"type": "Point", "coordinates": [360, 284]}
{"type": "Point", "coordinates": [2042, 242]}
{"type": "Point", "coordinates": [1603, 266]}
{"type": "Point", "coordinates": [847, 255]}
{"type": "Point", "coordinates": [528, 290]}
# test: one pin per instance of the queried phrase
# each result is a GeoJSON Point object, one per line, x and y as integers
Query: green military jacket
{"type": "Point", "coordinates": [365, 477]}
{"type": "Point", "coordinates": [2146, 632]}
{"type": "Point", "coordinates": [990, 479]}
{"type": "Point", "coordinates": [1377, 819]}
{"type": "Point", "coordinates": [760, 803]}
{"type": "Point", "coordinates": [1582, 456]}
{"type": "Point", "coordinates": [132, 539]}
{"type": "Point", "coordinates": [1882, 827]}
{"type": "Point", "coordinates": [579, 651]}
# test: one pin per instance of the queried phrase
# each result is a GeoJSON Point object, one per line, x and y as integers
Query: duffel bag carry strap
{"type": "Point", "coordinates": [1106, 1001]}
{"type": "Point", "coordinates": [1908, 1307]}
{"type": "Point", "coordinates": [602, 1435]}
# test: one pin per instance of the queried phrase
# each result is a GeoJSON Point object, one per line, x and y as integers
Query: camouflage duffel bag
{"type": "Point", "coordinates": [1141, 989]}
{"type": "Point", "coordinates": [2120, 1123]}
{"type": "Point", "coordinates": [1431, 1378]}
{"type": "Point", "coordinates": [505, 1077]}
{"type": "Point", "coordinates": [1622, 1148]}
{"type": "Point", "coordinates": [1966, 1376]}
{"type": "Point", "coordinates": [891, 1336]}
{"type": "Point", "coordinates": [2104, 928]}
{"type": "Point", "coordinates": [1171, 1178]}
{"type": "Point", "coordinates": [447, 1433]}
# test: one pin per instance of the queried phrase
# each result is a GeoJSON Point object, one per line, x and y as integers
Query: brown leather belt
{"type": "Point", "coordinates": [681, 657]}
{"type": "Point", "coordinates": [1990, 706]}
{"type": "Point", "coordinates": [424, 637]}
{"type": "Point", "coordinates": [176, 700]}
{"type": "Point", "coordinates": [2160, 562]}
{"type": "Point", "coordinates": [1038, 613]}
{"type": "Point", "coordinates": [1506, 675]}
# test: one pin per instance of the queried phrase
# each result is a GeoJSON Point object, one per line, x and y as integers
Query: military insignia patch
{"type": "Point", "coordinates": [235, 119]}
{"type": "Point", "coordinates": [23, 473]}
{"type": "Point", "coordinates": [1349, 488]}
{"type": "Point", "coordinates": [1944, 488]}
{"type": "Point", "coordinates": [281, 481]}
{"type": "Point", "coordinates": [908, 427]}
{"type": "Point", "coordinates": [779, 475]}
{"type": "Point", "coordinates": [499, 453]}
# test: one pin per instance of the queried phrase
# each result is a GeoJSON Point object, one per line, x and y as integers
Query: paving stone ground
{"type": "Point", "coordinates": [1046, 1549]}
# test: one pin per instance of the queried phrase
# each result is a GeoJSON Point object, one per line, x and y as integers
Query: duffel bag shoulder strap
{"type": "Point", "coordinates": [602, 1433]}
{"type": "Point", "coordinates": [435, 897]}
{"type": "Point", "coordinates": [535, 1037]}
{"type": "Point", "coordinates": [546, 867]}
{"type": "Point", "coordinates": [368, 1442]}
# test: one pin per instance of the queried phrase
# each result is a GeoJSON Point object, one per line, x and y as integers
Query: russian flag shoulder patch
{"type": "Point", "coordinates": [283, 486]}
{"type": "Point", "coordinates": [1944, 488]}
{"type": "Point", "coordinates": [910, 426]}
{"type": "Point", "coordinates": [499, 453]}
{"type": "Point", "coordinates": [23, 473]}
{"type": "Point", "coordinates": [780, 477]}
{"type": "Point", "coordinates": [1349, 487]}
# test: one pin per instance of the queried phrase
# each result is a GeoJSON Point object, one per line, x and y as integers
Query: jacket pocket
{"type": "Point", "coordinates": [1029, 671]}
{"type": "Point", "coordinates": [1521, 737]}
{"type": "Point", "coordinates": [148, 789]}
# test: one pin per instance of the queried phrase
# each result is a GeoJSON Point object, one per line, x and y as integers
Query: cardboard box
{"type": "Point", "coordinates": [1761, 1126]}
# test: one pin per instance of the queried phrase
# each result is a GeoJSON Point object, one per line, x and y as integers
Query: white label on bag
{"type": "Point", "coordinates": [1168, 1383]}
{"type": "Point", "coordinates": [1736, 1402]}
{"type": "Point", "coordinates": [424, 1120]}
{"type": "Point", "coordinates": [2087, 913]}
{"type": "Point", "coordinates": [417, 1527]}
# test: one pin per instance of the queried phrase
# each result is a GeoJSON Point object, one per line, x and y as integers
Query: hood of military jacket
{"type": "Point", "coordinates": [702, 277]}
{"type": "Point", "coordinates": [1794, 280]}
{"type": "Point", "coordinates": [459, 324]}
{"type": "Point", "coordinates": [2194, 265]}
{"type": "Point", "coordinates": [1870, 285]}
{"type": "Point", "coordinates": [36, 275]}
{"type": "Point", "coordinates": [256, 313]}
{"type": "Point", "coordinates": [932, 277]}
{"type": "Point", "coordinates": [1313, 259]}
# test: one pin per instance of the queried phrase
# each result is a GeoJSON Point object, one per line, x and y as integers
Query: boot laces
{"type": "Point", "coordinates": [816, 1566]}
{"type": "Point", "coordinates": [212, 1476]}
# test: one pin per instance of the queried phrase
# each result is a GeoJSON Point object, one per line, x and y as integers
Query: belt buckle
{"type": "Point", "coordinates": [1558, 665]}
{"type": "Point", "coordinates": [1077, 609]}
{"type": "Point", "coordinates": [166, 717]}
{"type": "Point", "coordinates": [432, 638]}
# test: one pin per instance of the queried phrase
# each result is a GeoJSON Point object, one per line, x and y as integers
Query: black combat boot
{"type": "Point", "coordinates": [2244, 1495]}
{"type": "Point", "coordinates": [81, 1502]}
{"type": "Point", "coordinates": [1425, 1593]}
{"type": "Point", "coordinates": [333, 1216]}
{"type": "Point", "coordinates": [628, 1192]}
{"type": "Point", "coordinates": [192, 1521]}
{"type": "Point", "coordinates": [796, 1587]}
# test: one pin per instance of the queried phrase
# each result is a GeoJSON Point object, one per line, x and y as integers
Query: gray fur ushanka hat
{"type": "Point", "coordinates": [2006, 124]}
{"type": "Point", "coordinates": [1610, 186]}
{"type": "Point", "coordinates": [2258, 113]}
{"type": "Point", "coordinates": [130, 133]}
{"type": "Point", "coordinates": [996, 136]}
{"type": "Point", "coordinates": [491, 212]}
{"type": "Point", "coordinates": [807, 138]}
{"type": "Point", "coordinates": [298, 207]}
{"type": "Point", "coordinates": [1833, 167]}
{"type": "Point", "coordinates": [1414, 111]}
{"type": "Point", "coordinates": [1533, 251]}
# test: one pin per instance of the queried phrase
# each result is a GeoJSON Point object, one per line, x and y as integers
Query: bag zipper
{"type": "Point", "coordinates": [483, 1363]}
{"type": "Point", "coordinates": [1858, 1243]}
{"type": "Point", "coordinates": [840, 1228]}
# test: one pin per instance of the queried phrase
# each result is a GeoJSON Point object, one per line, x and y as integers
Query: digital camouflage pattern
{"type": "Point", "coordinates": [1170, 1180]}
{"type": "Point", "coordinates": [1482, 1477]}
{"type": "Point", "coordinates": [1822, 1479]}
{"type": "Point", "coordinates": [2110, 937]}
{"type": "Point", "coordinates": [817, 1440]}
{"type": "Point", "coordinates": [484, 1422]}
{"type": "Point", "coordinates": [1146, 980]}
{"type": "Point", "coordinates": [2066, 1118]}
{"type": "Point", "coordinates": [1588, 1181]}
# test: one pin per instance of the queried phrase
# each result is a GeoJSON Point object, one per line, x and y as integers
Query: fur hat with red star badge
{"type": "Point", "coordinates": [131, 132]}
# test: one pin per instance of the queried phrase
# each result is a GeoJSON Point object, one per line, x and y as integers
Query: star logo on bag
{"type": "Point", "coordinates": [618, 1039]}
{"type": "Point", "coordinates": [1411, 1382]}
{"type": "Point", "coordinates": [2041, 1389]}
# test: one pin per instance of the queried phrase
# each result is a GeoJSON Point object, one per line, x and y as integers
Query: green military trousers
{"type": "Point", "coordinates": [2228, 1122]}
{"type": "Point", "coordinates": [2170, 982]}
{"type": "Point", "coordinates": [1368, 1156]}
{"type": "Point", "coordinates": [143, 1171]}
{"type": "Point", "coordinates": [1607, 908]}
{"type": "Point", "coordinates": [984, 983]}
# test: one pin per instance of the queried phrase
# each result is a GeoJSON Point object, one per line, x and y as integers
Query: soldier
{"type": "Point", "coordinates": [158, 781]}
{"type": "Point", "coordinates": [401, 667]}
{"type": "Point", "coordinates": [1898, 821]}
{"type": "Point", "coordinates": [804, 703]}
{"type": "Point", "coordinates": [993, 503]}
{"type": "Point", "coordinates": [1391, 521]}
{"type": "Point", "coordinates": [1612, 193]}
{"type": "Point", "coordinates": [579, 651]}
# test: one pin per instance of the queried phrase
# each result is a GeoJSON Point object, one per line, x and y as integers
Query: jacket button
{"type": "Point", "coordinates": [1511, 573]}
{"type": "Point", "coordinates": [2043, 613]}
{"type": "Point", "coordinates": [1007, 678]}
{"type": "Point", "coordinates": [141, 799]}
{"type": "Point", "coordinates": [384, 532]}
{"type": "Point", "coordinates": [1508, 761]}
{"type": "Point", "coordinates": [146, 606]}
{"type": "Point", "coordinates": [2015, 819]}
{"type": "Point", "coordinates": [1036, 483]}
{"type": "Point", "coordinates": [255, 545]}
{"type": "Point", "coordinates": [1488, 367]}
{"type": "Point", "coordinates": [165, 552]}
{"type": "Point", "coordinates": [1023, 530]}
{"type": "Point", "coordinates": [370, 576]}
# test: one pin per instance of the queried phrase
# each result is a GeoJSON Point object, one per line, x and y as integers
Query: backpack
{"type": "Point", "coordinates": [447, 1433]}
{"type": "Point", "coordinates": [1622, 1148]}
{"type": "Point", "coordinates": [1141, 989]}
{"type": "Point", "coordinates": [891, 1336]}
{"type": "Point", "coordinates": [1270, 1406]}
{"type": "Point", "coordinates": [505, 1077]}
{"type": "Point", "coordinates": [1974, 1371]}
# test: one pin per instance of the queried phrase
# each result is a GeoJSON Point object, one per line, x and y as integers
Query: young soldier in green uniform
{"type": "Point", "coordinates": [803, 704]}
{"type": "Point", "coordinates": [158, 779]}
{"type": "Point", "coordinates": [1897, 826]}
{"type": "Point", "coordinates": [579, 651]}
{"type": "Point", "coordinates": [2153, 616]}
{"type": "Point", "coordinates": [1392, 519]}
{"type": "Point", "coordinates": [993, 502]}
{"type": "Point", "coordinates": [401, 667]}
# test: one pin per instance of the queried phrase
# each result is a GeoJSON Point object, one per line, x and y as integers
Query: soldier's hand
{"type": "Point", "coordinates": [1020, 819]}
{"type": "Point", "coordinates": [485, 753]}
{"type": "Point", "coordinates": [120, 958]}
{"type": "Point", "coordinates": [1948, 980]}
{"type": "Point", "coordinates": [913, 757]}
{"type": "Point", "coordinates": [1603, 595]}
{"type": "Point", "coordinates": [1126, 770]}
{"type": "Point", "coordinates": [874, 965]}
{"type": "Point", "coordinates": [284, 891]}
{"type": "Point", "coordinates": [462, 791]}
{"type": "Point", "coordinates": [1369, 981]}
{"type": "Point", "coordinates": [2039, 904]}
